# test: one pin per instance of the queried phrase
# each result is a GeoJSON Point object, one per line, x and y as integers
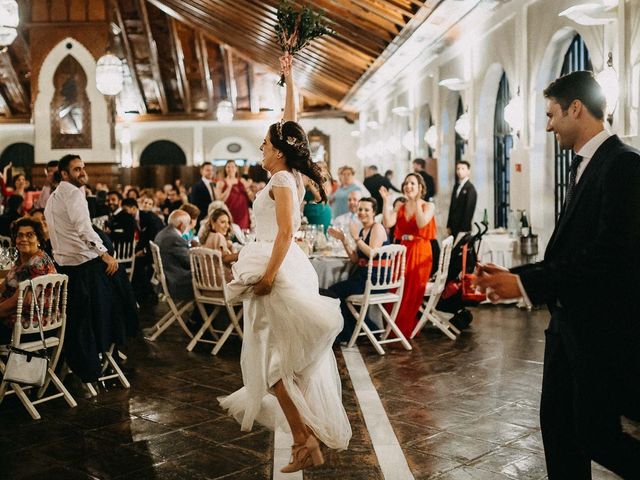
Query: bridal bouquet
{"type": "Point", "coordinates": [295, 30]}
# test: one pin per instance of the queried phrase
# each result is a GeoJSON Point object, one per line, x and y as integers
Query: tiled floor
{"type": "Point", "coordinates": [460, 410]}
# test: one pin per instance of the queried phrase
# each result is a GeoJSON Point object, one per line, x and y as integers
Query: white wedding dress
{"type": "Point", "coordinates": [288, 334]}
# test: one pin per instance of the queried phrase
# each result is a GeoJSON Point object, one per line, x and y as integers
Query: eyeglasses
{"type": "Point", "coordinates": [27, 235]}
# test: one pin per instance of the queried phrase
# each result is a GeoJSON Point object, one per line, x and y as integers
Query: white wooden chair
{"type": "Point", "coordinates": [125, 253]}
{"type": "Point", "coordinates": [50, 291]}
{"type": "Point", "coordinates": [389, 262]}
{"type": "Point", "coordinates": [176, 309]}
{"type": "Point", "coordinates": [100, 221]}
{"type": "Point", "coordinates": [432, 297]}
{"type": "Point", "coordinates": [106, 361]}
{"type": "Point", "coordinates": [5, 242]}
{"type": "Point", "coordinates": [210, 288]}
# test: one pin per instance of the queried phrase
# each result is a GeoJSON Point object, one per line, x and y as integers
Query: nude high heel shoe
{"type": "Point", "coordinates": [304, 456]}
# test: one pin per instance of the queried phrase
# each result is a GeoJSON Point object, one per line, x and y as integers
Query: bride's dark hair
{"type": "Point", "coordinates": [291, 140]}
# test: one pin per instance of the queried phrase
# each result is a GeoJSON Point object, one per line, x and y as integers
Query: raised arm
{"type": "Point", "coordinates": [424, 213]}
{"type": "Point", "coordinates": [389, 217]}
{"type": "Point", "coordinates": [290, 114]}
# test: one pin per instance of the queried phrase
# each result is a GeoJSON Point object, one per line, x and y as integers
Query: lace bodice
{"type": "Point", "coordinates": [264, 207]}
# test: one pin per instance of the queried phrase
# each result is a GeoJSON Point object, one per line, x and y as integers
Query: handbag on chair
{"type": "Point", "coordinates": [28, 368]}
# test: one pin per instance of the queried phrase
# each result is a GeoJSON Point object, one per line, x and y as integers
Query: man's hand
{"type": "Point", "coordinates": [263, 287]}
{"type": "Point", "coordinates": [112, 263]}
{"type": "Point", "coordinates": [497, 282]}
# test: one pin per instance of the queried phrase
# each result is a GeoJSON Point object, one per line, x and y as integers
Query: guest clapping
{"type": "Point", "coordinates": [232, 191]}
{"type": "Point", "coordinates": [372, 235]}
{"type": "Point", "coordinates": [415, 227]}
{"type": "Point", "coordinates": [216, 234]}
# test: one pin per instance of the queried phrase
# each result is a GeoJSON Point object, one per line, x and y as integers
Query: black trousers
{"type": "Point", "coordinates": [582, 402]}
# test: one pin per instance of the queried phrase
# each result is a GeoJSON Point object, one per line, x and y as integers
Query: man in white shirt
{"type": "Point", "coordinates": [343, 221]}
{"type": "Point", "coordinates": [588, 280]}
{"type": "Point", "coordinates": [81, 254]}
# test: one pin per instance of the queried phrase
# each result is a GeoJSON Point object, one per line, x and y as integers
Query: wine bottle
{"type": "Point", "coordinates": [525, 230]}
{"type": "Point", "coordinates": [485, 218]}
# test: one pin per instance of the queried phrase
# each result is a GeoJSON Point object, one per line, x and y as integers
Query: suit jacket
{"type": "Point", "coordinates": [122, 227]}
{"type": "Point", "coordinates": [201, 197]}
{"type": "Point", "coordinates": [174, 252]}
{"type": "Point", "coordinates": [373, 184]}
{"type": "Point", "coordinates": [589, 275]}
{"type": "Point", "coordinates": [430, 184]}
{"type": "Point", "coordinates": [149, 226]}
{"type": "Point", "coordinates": [462, 208]}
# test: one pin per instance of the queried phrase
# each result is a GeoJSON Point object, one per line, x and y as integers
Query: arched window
{"type": "Point", "coordinates": [576, 58]}
{"type": "Point", "coordinates": [502, 144]}
{"type": "Point", "coordinates": [460, 143]}
{"type": "Point", "coordinates": [162, 152]}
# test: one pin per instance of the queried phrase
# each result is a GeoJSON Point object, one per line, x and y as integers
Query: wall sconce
{"type": "Point", "coordinates": [590, 14]}
{"type": "Point", "coordinates": [514, 113]}
{"type": "Point", "coordinates": [9, 20]}
{"type": "Point", "coordinates": [401, 111]}
{"type": "Point", "coordinates": [454, 84]}
{"type": "Point", "coordinates": [224, 112]}
{"type": "Point", "coordinates": [109, 75]}
{"type": "Point", "coordinates": [431, 136]}
{"type": "Point", "coordinates": [407, 140]}
{"type": "Point", "coordinates": [463, 126]}
{"type": "Point", "coordinates": [608, 80]}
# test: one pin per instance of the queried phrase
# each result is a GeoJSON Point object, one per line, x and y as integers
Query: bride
{"type": "Point", "coordinates": [288, 365]}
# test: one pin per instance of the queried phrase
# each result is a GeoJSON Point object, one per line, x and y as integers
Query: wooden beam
{"type": "Point", "coordinates": [254, 95]}
{"type": "Point", "coordinates": [178, 60]}
{"type": "Point", "coordinates": [229, 74]}
{"type": "Point", "coordinates": [205, 71]}
{"type": "Point", "coordinates": [4, 107]}
{"type": "Point", "coordinates": [17, 97]}
{"type": "Point", "coordinates": [153, 58]}
{"type": "Point", "coordinates": [129, 56]}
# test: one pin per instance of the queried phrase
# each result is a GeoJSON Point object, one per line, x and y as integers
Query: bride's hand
{"type": "Point", "coordinates": [263, 287]}
{"type": "Point", "coordinates": [286, 62]}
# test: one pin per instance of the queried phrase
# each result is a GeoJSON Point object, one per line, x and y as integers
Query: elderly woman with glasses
{"type": "Point", "coordinates": [28, 237]}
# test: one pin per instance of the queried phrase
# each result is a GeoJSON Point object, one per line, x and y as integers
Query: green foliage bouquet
{"type": "Point", "coordinates": [295, 30]}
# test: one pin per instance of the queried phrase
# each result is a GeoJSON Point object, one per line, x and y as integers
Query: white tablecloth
{"type": "Point", "coordinates": [499, 248]}
{"type": "Point", "coordinates": [331, 270]}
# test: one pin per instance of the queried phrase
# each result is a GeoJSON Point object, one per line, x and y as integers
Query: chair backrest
{"type": "Point", "coordinates": [125, 252]}
{"type": "Point", "coordinates": [386, 268]}
{"type": "Point", "coordinates": [100, 221]}
{"type": "Point", "coordinates": [5, 242]}
{"type": "Point", "coordinates": [158, 270]}
{"type": "Point", "coordinates": [50, 292]}
{"type": "Point", "coordinates": [441, 275]}
{"type": "Point", "coordinates": [207, 271]}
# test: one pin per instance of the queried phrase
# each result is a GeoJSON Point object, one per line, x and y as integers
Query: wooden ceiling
{"type": "Point", "coordinates": [183, 57]}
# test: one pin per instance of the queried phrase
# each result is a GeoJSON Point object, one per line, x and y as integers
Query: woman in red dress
{"type": "Point", "coordinates": [233, 192]}
{"type": "Point", "coordinates": [415, 227]}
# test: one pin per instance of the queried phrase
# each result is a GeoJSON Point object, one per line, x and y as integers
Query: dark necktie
{"type": "Point", "coordinates": [573, 174]}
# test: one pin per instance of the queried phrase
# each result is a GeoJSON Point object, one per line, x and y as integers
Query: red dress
{"type": "Point", "coordinates": [417, 269]}
{"type": "Point", "coordinates": [238, 203]}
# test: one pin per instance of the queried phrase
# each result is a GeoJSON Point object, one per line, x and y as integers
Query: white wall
{"type": "Point", "coordinates": [528, 40]}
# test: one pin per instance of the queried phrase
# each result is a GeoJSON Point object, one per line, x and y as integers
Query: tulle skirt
{"type": "Point", "coordinates": [288, 336]}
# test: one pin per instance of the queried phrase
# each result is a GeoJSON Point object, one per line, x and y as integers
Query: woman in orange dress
{"type": "Point", "coordinates": [415, 227]}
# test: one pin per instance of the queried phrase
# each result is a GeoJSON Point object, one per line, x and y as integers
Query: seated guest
{"type": "Point", "coordinates": [174, 252]}
{"type": "Point", "coordinates": [348, 184]}
{"type": "Point", "coordinates": [372, 235]}
{"type": "Point", "coordinates": [133, 193]}
{"type": "Point", "coordinates": [38, 216]}
{"type": "Point", "coordinates": [13, 212]}
{"type": "Point", "coordinates": [216, 235]}
{"type": "Point", "coordinates": [172, 202]}
{"type": "Point", "coordinates": [32, 262]}
{"type": "Point", "coordinates": [343, 221]}
{"type": "Point", "coordinates": [236, 233]}
{"type": "Point", "coordinates": [121, 226]}
{"type": "Point", "coordinates": [194, 212]}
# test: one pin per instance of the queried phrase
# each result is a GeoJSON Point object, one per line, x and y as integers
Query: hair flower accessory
{"type": "Point", "coordinates": [279, 129]}
{"type": "Point", "coordinates": [291, 141]}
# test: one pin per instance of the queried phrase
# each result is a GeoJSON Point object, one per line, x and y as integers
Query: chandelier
{"type": "Point", "coordinates": [109, 75]}
{"type": "Point", "coordinates": [608, 80]}
{"type": "Point", "coordinates": [514, 112]}
{"type": "Point", "coordinates": [431, 137]}
{"type": "Point", "coordinates": [463, 126]}
{"type": "Point", "coordinates": [224, 112]}
{"type": "Point", "coordinates": [9, 20]}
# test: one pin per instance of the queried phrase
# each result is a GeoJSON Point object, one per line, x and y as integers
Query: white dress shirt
{"type": "Point", "coordinates": [587, 152]}
{"type": "Point", "coordinates": [461, 185]}
{"type": "Point", "coordinates": [210, 185]}
{"type": "Point", "coordinates": [343, 221]}
{"type": "Point", "coordinates": [73, 239]}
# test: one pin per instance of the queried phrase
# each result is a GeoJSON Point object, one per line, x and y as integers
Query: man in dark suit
{"type": "Point", "coordinates": [121, 227]}
{"type": "Point", "coordinates": [373, 181]}
{"type": "Point", "coordinates": [588, 279]}
{"type": "Point", "coordinates": [202, 192]}
{"type": "Point", "coordinates": [174, 252]}
{"type": "Point", "coordinates": [463, 201]}
{"type": "Point", "coordinates": [148, 225]}
{"type": "Point", "coordinates": [419, 166]}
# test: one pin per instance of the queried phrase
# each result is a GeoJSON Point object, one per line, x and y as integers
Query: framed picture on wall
{"type": "Point", "coordinates": [319, 144]}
